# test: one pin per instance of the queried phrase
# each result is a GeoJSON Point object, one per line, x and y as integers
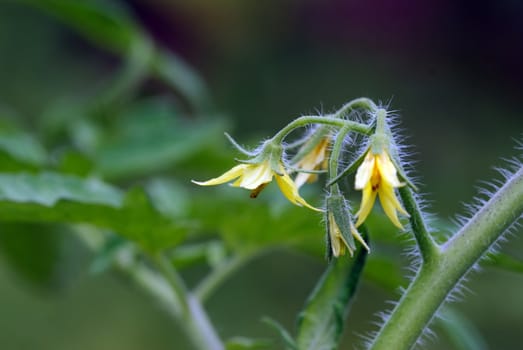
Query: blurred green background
{"type": "Point", "coordinates": [452, 70]}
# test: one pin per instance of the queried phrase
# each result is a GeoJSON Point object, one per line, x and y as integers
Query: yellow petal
{"type": "Point", "coordinates": [255, 175]}
{"type": "Point", "coordinates": [387, 170]}
{"type": "Point", "coordinates": [312, 161]}
{"type": "Point", "coordinates": [338, 243]}
{"type": "Point", "coordinates": [358, 237]}
{"type": "Point", "coordinates": [301, 179]}
{"type": "Point", "coordinates": [390, 203]}
{"type": "Point", "coordinates": [364, 172]}
{"type": "Point", "coordinates": [334, 233]}
{"type": "Point", "coordinates": [226, 177]}
{"type": "Point", "coordinates": [367, 201]}
{"type": "Point", "coordinates": [290, 191]}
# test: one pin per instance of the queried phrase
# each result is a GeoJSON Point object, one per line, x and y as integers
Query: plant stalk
{"type": "Point", "coordinates": [442, 274]}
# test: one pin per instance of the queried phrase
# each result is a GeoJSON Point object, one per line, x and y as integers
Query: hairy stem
{"type": "Point", "coordinates": [439, 276]}
{"type": "Point", "coordinates": [427, 247]}
{"type": "Point", "coordinates": [307, 120]}
{"type": "Point", "coordinates": [334, 119]}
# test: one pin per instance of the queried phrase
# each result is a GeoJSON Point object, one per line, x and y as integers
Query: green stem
{"type": "Point", "coordinates": [439, 276]}
{"type": "Point", "coordinates": [307, 120]}
{"type": "Point", "coordinates": [215, 278]}
{"type": "Point", "coordinates": [358, 103]}
{"type": "Point", "coordinates": [427, 247]}
{"type": "Point", "coordinates": [193, 317]}
{"type": "Point", "coordinates": [336, 150]}
{"type": "Point", "coordinates": [335, 119]}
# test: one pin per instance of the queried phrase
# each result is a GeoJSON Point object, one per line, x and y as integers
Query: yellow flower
{"type": "Point", "coordinates": [316, 159]}
{"type": "Point", "coordinates": [256, 176]}
{"type": "Point", "coordinates": [377, 175]}
{"type": "Point", "coordinates": [338, 243]}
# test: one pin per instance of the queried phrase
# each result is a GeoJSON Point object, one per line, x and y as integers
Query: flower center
{"type": "Point", "coordinates": [375, 178]}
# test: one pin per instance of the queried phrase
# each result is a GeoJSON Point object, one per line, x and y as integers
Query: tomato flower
{"type": "Point", "coordinates": [377, 175]}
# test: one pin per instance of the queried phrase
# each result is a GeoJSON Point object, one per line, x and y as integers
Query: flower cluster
{"type": "Point", "coordinates": [377, 174]}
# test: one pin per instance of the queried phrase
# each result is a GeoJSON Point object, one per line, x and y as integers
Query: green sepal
{"type": "Point", "coordinates": [269, 151]}
{"type": "Point", "coordinates": [338, 206]}
{"type": "Point", "coordinates": [238, 146]}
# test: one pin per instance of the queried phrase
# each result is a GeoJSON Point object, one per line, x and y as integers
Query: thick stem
{"type": "Point", "coordinates": [439, 276]}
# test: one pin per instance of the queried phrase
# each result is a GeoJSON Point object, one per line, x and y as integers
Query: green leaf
{"type": "Point", "coordinates": [284, 334]}
{"type": "Point", "coordinates": [384, 271]}
{"type": "Point", "coordinates": [460, 331]}
{"type": "Point", "coordinates": [150, 138]}
{"type": "Point", "coordinates": [169, 196]}
{"type": "Point", "coordinates": [249, 224]}
{"type": "Point", "coordinates": [320, 324]}
{"type": "Point", "coordinates": [242, 343]}
{"type": "Point", "coordinates": [75, 163]}
{"type": "Point", "coordinates": [104, 257]}
{"type": "Point", "coordinates": [504, 261]}
{"type": "Point", "coordinates": [51, 197]}
{"type": "Point", "coordinates": [34, 251]}
{"type": "Point", "coordinates": [106, 23]}
{"type": "Point", "coordinates": [213, 253]}
{"type": "Point", "coordinates": [182, 78]}
{"type": "Point", "coordinates": [19, 150]}
{"type": "Point", "coordinates": [110, 25]}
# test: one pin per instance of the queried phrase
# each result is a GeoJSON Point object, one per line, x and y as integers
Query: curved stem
{"type": "Point", "coordinates": [193, 317]}
{"type": "Point", "coordinates": [427, 247]}
{"type": "Point", "coordinates": [336, 150]}
{"type": "Point", "coordinates": [442, 274]}
{"type": "Point", "coordinates": [215, 278]}
{"type": "Point", "coordinates": [327, 120]}
{"type": "Point", "coordinates": [362, 103]}
{"type": "Point", "coordinates": [334, 119]}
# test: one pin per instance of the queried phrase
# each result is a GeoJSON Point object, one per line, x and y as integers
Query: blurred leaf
{"type": "Point", "coordinates": [242, 343]}
{"type": "Point", "coordinates": [168, 196]}
{"type": "Point", "coordinates": [384, 271]}
{"type": "Point", "coordinates": [105, 256]}
{"type": "Point", "coordinates": [107, 23]}
{"type": "Point", "coordinates": [50, 197]}
{"type": "Point", "coordinates": [320, 324]}
{"type": "Point", "coordinates": [182, 78]}
{"type": "Point", "coordinates": [127, 81]}
{"type": "Point", "coordinates": [461, 332]}
{"type": "Point", "coordinates": [151, 138]}
{"type": "Point", "coordinates": [213, 253]}
{"type": "Point", "coordinates": [284, 334]}
{"type": "Point", "coordinates": [75, 164]}
{"type": "Point", "coordinates": [19, 150]}
{"type": "Point", "coordinates": [504, 261]}
{"type": "Point", "coordinates": [246, 224]}
{"type": "Point", "coordinates": [33, 251]}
